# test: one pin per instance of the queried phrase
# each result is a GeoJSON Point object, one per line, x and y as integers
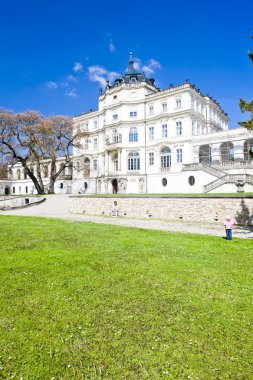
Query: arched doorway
{"type": "Point", "coordinates": [227, 151]}
{"type": "Point", "coordinates": [205, 154]}
{"type": "Point", "coordinates": [7, 190]}
{"type": "Point", "coordinates": [114, 186]}
{"type": "Point", "coordinates": [248, 150]}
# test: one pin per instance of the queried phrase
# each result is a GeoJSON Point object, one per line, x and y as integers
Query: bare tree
{"type": "Point", "coordinates": [34, 141]}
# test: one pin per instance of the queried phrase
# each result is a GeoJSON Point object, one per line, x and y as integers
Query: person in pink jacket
{"type": "Point", "coordinates": [228, 223]}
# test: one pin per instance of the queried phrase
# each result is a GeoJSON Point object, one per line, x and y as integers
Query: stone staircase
{"type": "Point", "coordinates": [222, 177]}
{"type": "Point", "coordinates": [211, 170]}
{"type": "Point", "coordinates": [228, 178]}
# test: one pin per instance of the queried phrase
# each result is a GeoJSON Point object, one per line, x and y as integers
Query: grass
{"type": "Point", "coordinates": [85, 301]}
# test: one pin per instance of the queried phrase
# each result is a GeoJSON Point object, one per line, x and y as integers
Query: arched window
{"type": "Point", "coordinates": [133, 134]}
{"type": "Point", "coordinates": [248, 150]}
{"type": "Point", "coordinates": [134, 161]}
{"type": "Point", "coordinates": [227, 151]}
{"type": "Point", "coordinates": [166, 157]}
{"type": "Point", "coordinates": [18, 174]}
{"type": "Point", "coordinates": [205, 154]}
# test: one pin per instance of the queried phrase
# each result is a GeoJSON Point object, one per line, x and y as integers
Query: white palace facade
{"type": "Point", "coordinates": [143, 140]}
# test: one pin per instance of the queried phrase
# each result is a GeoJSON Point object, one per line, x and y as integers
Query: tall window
{"type": "Point", "coordinates": [95, 143]}
{"type": "Point", "coordinates": [151, 109]}
{"type": "Point", "coordinates": [151, 157]}
{"type": "Point", "coordinates": [134, 161]}
{"type": "Point", "coordinates": [151, 133]}
{"type": "Point", "coordinates": [116, 162]}
{"type": "Point", "coordinates": [95, 124]}
{"type": "Point", "coordinates": [178, 102]}
{"type": "Point", "coordinates": [115, 136]}
{"type": "Point", "coordinates": [164, 106]}
{"type": "Point", "coordinates": [133, 113]}
{"type": "Point", "coordinates": [19, 174]}
{"type": "Point", "coordinates": [95, 164]}
{"type": "Point", "coordinates": [166, 157]}
{"type": "Point", "coordinates": [164, 130]}
{"type": "Point", "coordinates": [179, 156]}
{"type": "Point", "coordinates": [133, 134]}
{"type": "Point", "coordinates": [179, 128]}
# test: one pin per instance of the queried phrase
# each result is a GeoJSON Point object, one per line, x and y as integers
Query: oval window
{"type": "Point", "coordinates": [191, 180]}
{"type": "Point", "coordinates": [164, 181]}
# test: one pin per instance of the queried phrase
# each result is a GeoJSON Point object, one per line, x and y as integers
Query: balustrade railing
{"type": "Point", "coordinates": [228, 178]}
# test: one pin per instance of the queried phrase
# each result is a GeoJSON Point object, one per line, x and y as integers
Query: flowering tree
{"type": "Point", "coordinates": [34, 141]}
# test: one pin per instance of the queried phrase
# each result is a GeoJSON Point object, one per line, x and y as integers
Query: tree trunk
{"type": "Point", "coordinates": [39, 189]}
{"type": "Point", "coordinates": [38, 169]}
{"type": "Point", "coordinates": [51, 185]}
{"type": "Point", "coordinates": [52, 177]}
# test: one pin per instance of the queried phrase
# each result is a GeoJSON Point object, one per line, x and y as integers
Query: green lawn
{"type": "Point", "coordinates": [85, 301]}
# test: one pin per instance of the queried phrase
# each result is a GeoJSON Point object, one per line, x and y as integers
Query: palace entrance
{"type": "Point", "coordinates": [114, 186]}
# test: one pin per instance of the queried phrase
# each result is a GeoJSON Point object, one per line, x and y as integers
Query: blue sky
{"type": "Point", "coordinates": [55, 54]}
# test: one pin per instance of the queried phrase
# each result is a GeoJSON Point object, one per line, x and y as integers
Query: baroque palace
{"type": "Point", "coordinates": [146, 140]}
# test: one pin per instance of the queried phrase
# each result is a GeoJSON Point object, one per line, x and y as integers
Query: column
{"type": "Point", "coordinates": [196, 154]}
{"type": "Point", "coordinates": [119, 159]}
{"type": "Point", "coordinates": [106, 163]}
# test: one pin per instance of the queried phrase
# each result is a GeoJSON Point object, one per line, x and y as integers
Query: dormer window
{"type": "Point", "coordinates": [133, 113]}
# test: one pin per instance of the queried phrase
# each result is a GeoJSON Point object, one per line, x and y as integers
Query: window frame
{"type": "Point", "coordinates": [179, 128]}
{"type": "Point", "coordinates": [178, 102]}
{"type": "Point", "coordinates": [164, 131]}
{"type": "Point", "coordinates": [151, 133]}
{"type": "Point", "coordinates": [179, 155]}
{"type": "Point", "coordinates": [95, 164]}
{"type": "Point", "coordinates": [165, 156]}
{"type": "Point", "coordinates": [151, 158]}
{"type": "Point", "coordinates": [133, 161]}
{"type": "Point", "coordinates": [133, 134]}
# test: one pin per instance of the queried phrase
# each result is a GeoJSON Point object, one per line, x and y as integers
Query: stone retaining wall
{"type": "Point", "coordinates": [197, 209]}
{"type": "Point", "coordinates": [13, 202]}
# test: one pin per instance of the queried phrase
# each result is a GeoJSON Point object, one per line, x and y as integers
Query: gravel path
{"type": "Point", "coordinates": [56, 206]}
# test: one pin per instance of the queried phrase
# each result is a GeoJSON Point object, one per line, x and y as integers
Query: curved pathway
{"type": "Point", "coordinates": [56, 206]}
